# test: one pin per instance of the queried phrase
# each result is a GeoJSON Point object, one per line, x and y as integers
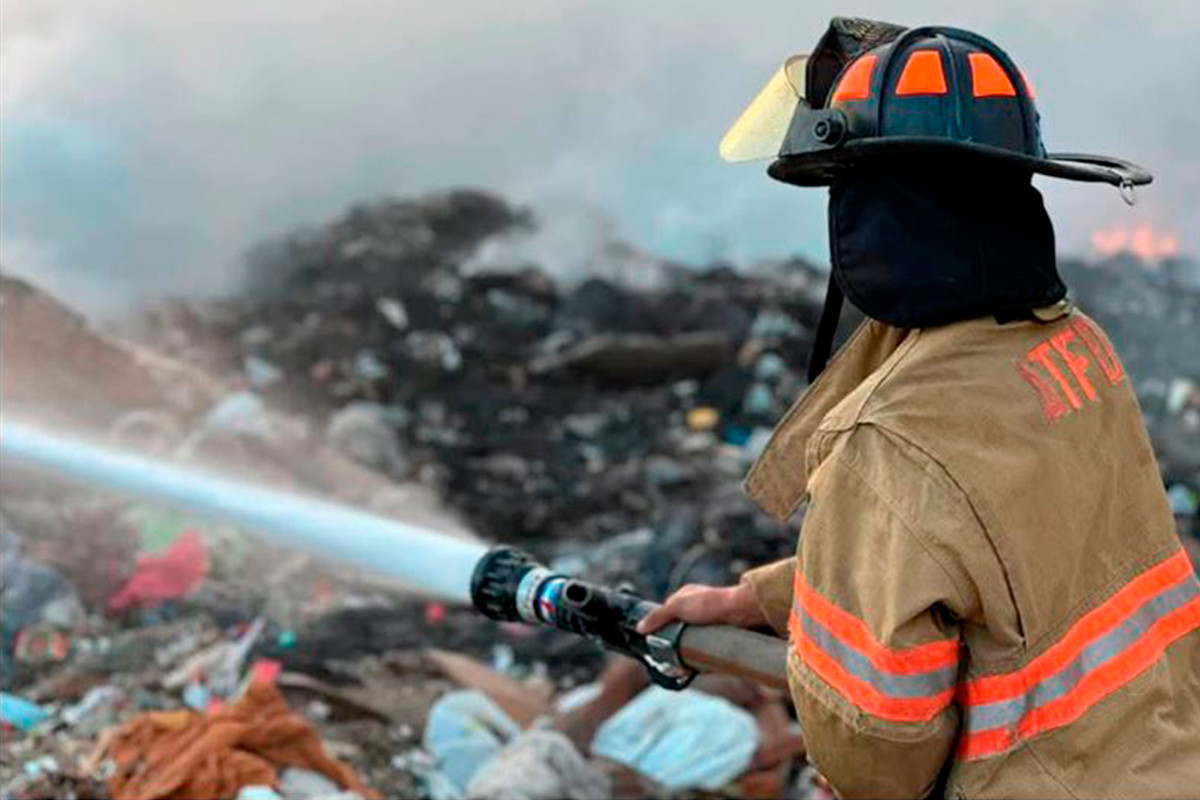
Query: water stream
{"type": "Point", "coordinates": [429, 561]}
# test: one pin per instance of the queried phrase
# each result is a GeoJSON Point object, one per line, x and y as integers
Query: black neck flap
{"type": "Point", "coordinates": [916, 248]}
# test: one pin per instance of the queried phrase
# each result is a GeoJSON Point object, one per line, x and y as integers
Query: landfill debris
{"type": "Point", "coordinates": [1185, 501]}
{"type": "Point", "coordinates": [465, 729]}
{"type": "Point", "coordinates": [170, 576]}
{"type": "Point", "coordinates": [402, 358]}
{"type": "Point", "coordinates": [18, 713]}
{"type": "Point", "coordinates": [703, 418]}
{"type": "Point", "coordinates": [780, 749]}
{"type": "Point", "coordinates": [96, 711]}
{"type": "Point", "coordinates": [31, 593]}
{"type": "Point", "coordinates": [41, 646]}
{"type": "Point", "coordinates": [296, 783]}
{"type": "Point", "coordinates": [240, 413]}
{"type": "Point", "coordinates": [365, 432]}
{"type": "Point", "coordinates": [226, 673]}
{"type": "Point", "coordinates": [633, 358]}
{"type": "Point", "coordinates": [532, 408]}
{"type": "Point", "coordinates": [183, 754]}
{"type": "Point", "coordinates": [256, 791]}
{"type": "Point", "coordinates": [682, 741]}
{"type": "Point", "coordinates": [356, 702]}
{"type": "Point", "coordinates": [159, 528]}
{"type": "Point", "coordinates": [519, 702]}
{"type": "Point", "coordinates": [37, 606]}
{"type": "Point", "coordinates": [662, 742]}
{"type": "Point", "coordinates": [539, 765]}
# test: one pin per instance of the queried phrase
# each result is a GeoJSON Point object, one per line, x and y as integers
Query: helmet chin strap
{"type": "Point", "coordinates": [826, 328]}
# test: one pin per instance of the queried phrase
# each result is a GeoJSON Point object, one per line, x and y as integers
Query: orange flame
{"type": "Point", "coordinates": [1142, 241]}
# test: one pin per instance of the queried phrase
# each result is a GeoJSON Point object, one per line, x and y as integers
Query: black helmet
{"type": "Point", "coordinates": [872, 90]}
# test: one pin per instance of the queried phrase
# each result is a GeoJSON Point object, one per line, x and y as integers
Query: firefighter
{"type": "Point", "coordinates": [989, 598]}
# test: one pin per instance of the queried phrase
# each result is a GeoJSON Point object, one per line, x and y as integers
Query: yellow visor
{"type": "Point", "coordinates": [760, 130]}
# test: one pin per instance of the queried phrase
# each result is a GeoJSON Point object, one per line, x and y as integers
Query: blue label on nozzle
{"type": "Point", "coordinates": [528, 592]}
{"type": "Point", "coordinates": [548, 599]}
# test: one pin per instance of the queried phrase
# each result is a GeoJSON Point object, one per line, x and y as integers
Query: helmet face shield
{"type": "Point", "coordinates": [760, 131]}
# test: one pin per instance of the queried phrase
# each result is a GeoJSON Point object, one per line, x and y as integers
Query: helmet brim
{"type": "Point", "coordinates": [821, 168]}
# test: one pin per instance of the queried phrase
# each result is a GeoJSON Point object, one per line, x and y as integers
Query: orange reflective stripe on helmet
{"type": "Point", "coordinates": [911, 684]}
{"type": "Point", "coordinates": [988, 78]}
{"type": "Point", "coordinates": [922, 74]}
{"type": "Point", "coordinates": [856, 82]}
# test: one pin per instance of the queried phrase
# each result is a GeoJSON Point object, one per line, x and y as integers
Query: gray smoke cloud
{"type": "Point", "coordinates": [146, 144]}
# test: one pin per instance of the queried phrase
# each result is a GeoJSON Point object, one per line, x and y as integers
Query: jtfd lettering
{"type": "Point", "coordinates": [1062, 374]}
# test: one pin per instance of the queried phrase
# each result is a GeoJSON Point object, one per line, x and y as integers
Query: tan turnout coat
{"type": "Point", "coordinates": [989, 598]}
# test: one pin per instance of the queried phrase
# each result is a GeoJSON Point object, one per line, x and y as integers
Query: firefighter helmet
{"type": "Point", "coordinates": [873, 90]}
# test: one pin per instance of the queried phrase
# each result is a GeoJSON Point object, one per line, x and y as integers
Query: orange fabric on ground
{"type": "Point", "coordinates": [180, 754]}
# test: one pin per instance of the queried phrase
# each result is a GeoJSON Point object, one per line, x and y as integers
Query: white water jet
{"type": "Point", "coordinates": [428, 561]}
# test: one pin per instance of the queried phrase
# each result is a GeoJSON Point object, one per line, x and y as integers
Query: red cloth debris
{"type": "Point", "coordinates": [181, 754]}
{"type": "Point", "coordinates": [435, 613]}
{"type": "Point", "coordinates": [169, 576]}
{"type": "Point", "coordinates": [265, 670]}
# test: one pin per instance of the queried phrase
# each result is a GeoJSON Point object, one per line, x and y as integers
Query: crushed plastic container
{"type": "Point", "coordinates": [20, 713]}
{"type": "Point", "coordinates": [683, 740]}
{"type": "Point", "coordinates": [465, 729]}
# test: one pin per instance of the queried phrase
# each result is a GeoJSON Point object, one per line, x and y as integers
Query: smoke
{"type": "Point", "coordinates": [146, 145]}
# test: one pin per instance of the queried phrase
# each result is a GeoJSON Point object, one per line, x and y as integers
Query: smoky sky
{"type": "Point", "coordinates": [145, 145]}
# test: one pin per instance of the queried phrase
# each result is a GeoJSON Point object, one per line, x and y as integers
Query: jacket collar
{"type": "Point", "coordinates": [777, 482]}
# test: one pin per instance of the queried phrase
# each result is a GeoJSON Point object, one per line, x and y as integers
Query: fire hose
{"type": "Point", "coordinates": [503, 583]}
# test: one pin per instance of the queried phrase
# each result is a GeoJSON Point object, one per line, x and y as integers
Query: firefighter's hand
{"type": "Point", "coordinates": [707, 605]}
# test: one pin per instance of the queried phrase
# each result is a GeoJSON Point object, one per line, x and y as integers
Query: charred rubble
{"type": "Point", "coordinates": [547, 413]}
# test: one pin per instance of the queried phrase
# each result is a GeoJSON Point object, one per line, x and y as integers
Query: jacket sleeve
{"type": "Point", "coordinates": [874, 626]}
{"type": "Point", "coordinates": [772, 585]}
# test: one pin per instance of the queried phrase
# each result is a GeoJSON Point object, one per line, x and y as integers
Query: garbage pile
{"type": "Point", "coordinates": [150, 653]}
{"type": "Point", "coordinates": [547, 415]}
{"type": "Point", "coordinates": [210, 666]}
{"type": "Point", "coordinates": [253, 687]}
{"type": "Point", "coordinates": [382, 361]}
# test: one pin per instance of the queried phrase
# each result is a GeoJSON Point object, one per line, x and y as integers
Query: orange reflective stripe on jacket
{"type": "Point", "coordinates": [1108, 647]}
{"type": "Point", "coordinates": [903, 685]}
{"type": "Point", "coordinates": [1105, 649]}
